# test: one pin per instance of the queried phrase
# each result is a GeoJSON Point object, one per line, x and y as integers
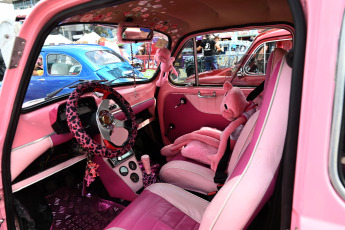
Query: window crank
{"type": "Point", "coordinates": [182, 102]}
{"type": "Point", "coordinates": [171, 127]}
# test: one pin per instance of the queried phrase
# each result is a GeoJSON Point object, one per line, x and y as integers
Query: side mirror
{"type": "Point", "coordinates": [240, 73]}
{"type": "Point", "coordinates": [134, 34]}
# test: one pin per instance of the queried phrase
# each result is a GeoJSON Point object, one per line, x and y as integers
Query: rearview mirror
{"type": "Point", "coordinates": [136, 34]}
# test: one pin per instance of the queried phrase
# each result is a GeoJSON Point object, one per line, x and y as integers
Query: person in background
{"type": "Point", "coordinates": [38, 70]}
{"type": "Point", "coordinates": [210, 48]}
{"type": "Point", "coordinates": [216, 39]}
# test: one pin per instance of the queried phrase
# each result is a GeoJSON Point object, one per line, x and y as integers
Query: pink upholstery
{"type": "Point", "coordinates": [161, 207]}
{"type": "Point", "coordinates": [243, 141]}
{"type": "Point", "coordinates": [189, 176]}
{"type": "Point", "coordinates": [199, 178]}
{"type": "Point", "coordinates": [190, 123]}
{"type": "Point", "coordinates": [205, 105]}
{"type": "Point", "coordinates": [182, 176]}
{"type": "Point", "coordinates": [273, 60]}
{"type": "Point", "coordinates": [252, 179]}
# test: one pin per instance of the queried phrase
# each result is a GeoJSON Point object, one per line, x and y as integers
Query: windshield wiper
{"type": "Point", "coordinates": [52, 94]}
{"type": "Point", "coordinates": [71, 85]}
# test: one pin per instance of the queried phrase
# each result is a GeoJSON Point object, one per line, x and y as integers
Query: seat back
{"type": "Point", "coordinates": [254, 165]}
{"type": "Point", "coordinates": [59, 69]}
{"type": "Point", "coordinates": [247, 132]}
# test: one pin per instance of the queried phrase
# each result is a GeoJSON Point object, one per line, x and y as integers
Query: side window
{"type": "Point", "coordinates": [258, 61]}
{"type": "Point", "coordinates": [217, 55]}
{"type": "Point", "coordinates": [237, 56]}
{"type": "Point", "coordinates": [62, 65]}
{"type": "Point", "coordinates": [185, 65]}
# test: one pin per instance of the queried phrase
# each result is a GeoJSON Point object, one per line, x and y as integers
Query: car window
{"type": "Point", "coordinates": [39, 67]}
{"type": "Point", "coordinates": [87, 52]}
{"type": "Point", "coordinates": [184, 64]}
{"type": "Point", "coordinates": [237, 56]}
{"type": "Point", "coordinates": [257, 62]}
{"type": "Point", "coordinates": [62, 65]}
{"type": "Point", "coordinates": [103, 57]}
{"type": "Point", "coordinates": [217, 53]}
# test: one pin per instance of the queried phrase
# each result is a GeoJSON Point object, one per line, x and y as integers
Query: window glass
{"type": "Point", "coordinates": [103, 57]}
{"type": "Point", "coordinates": [62, 65]}
{"type": "Point", "coordinates": [258, 61]}
{"type": "Point", "coordinates": [237, 56]}
{"type": "Point", "coordinates": [185, 65]}
{"type": "Point", "coordinates": [217, 54]}
{"type": "Point", "coordinates": [39, 68]}
{"type": "Point", "coordinates": [85, 52]}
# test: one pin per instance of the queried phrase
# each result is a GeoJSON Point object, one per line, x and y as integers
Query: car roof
{"type": "Point", "coordinates": [72, 47]}
{"type": "Point", "coordinates": [179, 18]}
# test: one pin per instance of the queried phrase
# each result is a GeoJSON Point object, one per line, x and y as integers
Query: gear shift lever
{"type": "Point", "coordinates": [146, 162]}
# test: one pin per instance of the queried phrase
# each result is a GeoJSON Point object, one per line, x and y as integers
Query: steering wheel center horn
{"type": "Point", "coordinates": [106, 119]}
{"type": "Point", "coordinates": [106, 122]}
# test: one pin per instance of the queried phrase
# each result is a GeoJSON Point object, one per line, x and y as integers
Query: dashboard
{"type": "Point", "coordinates": [39, 136]}
{"type": "Point", "coordinates": [86, 108]}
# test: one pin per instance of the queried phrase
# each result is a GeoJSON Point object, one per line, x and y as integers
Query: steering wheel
{"type": "Point", "coordinates": [105, 121]}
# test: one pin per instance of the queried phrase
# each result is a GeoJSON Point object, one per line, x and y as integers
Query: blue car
{"type": "Point", "coordinates": [61, 65]}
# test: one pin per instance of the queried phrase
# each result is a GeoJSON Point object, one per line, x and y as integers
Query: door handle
{"type": "Point", "coordinates": [41, 79]}
{"type": "Point", "coordinates": [206, 96]}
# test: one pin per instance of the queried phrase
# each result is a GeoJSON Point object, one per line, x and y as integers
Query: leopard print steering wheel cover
{"type": "Point", "coordinates": [75, 126]}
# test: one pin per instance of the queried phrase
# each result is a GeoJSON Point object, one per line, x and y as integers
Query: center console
{"type": "Point", "coordinates": [121, 176]}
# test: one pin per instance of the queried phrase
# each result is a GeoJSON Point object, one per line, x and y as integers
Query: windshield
{"type": "Point", "coordinates": [104, 57]}
{"type": "Point", "coordinates": [90, 52]}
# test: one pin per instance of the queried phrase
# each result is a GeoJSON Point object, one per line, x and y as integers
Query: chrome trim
{"type": "Point", "coordinates": [207, 96]}
{"type": "Point", "coordinates": [16, 187]}
{"type": "Point", "coordinates": [144, 101]}
{"type": "Point", "coordinates": [119, 110]}
{"type": "Point", "coordinates": [196, 71]}
{"type": "Point", "coordinates": [337, 116]}
{"type": "Point", "coordinates": [33, 142]}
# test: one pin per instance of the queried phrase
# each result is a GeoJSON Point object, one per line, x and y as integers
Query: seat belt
{"type": "Point", "coordinates": [256, 92]}
{"type": "Point", "coordinates": [220, 176]}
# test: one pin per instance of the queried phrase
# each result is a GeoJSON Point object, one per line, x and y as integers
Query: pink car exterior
{"type": "Point", "coordinates": [318, 196]}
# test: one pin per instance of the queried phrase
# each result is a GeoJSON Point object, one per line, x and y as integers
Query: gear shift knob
{"type": "Point", "coordinates": [146, 162]}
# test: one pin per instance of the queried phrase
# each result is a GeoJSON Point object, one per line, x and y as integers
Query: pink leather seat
{"type": "Point", "coordinates": [250, 182]}
{"type": "Point", "coordinates": [199, 178]}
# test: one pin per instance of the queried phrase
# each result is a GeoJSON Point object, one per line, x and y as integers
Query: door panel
{"type": "Point", "coordinates": [196, 113]}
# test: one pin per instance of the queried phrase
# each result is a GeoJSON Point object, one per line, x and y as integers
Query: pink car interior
{"type": "Point", "coordinates": [259, 159]}
{"type": "Point", "coordinates": [197, 177]}
{"type": "Point", "coordinates": [198, 115]}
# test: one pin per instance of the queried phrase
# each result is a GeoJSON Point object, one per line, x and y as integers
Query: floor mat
{"type": "Point", "coordinates": [73, 211]}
